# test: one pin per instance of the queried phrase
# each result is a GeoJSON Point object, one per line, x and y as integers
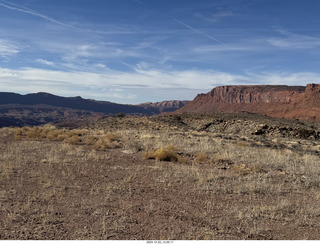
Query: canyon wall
{"type": "Point", "coordinates": [295, 102]}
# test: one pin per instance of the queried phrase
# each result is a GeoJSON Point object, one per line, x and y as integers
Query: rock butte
{"type": "Point", "coordinates": [292, 102]}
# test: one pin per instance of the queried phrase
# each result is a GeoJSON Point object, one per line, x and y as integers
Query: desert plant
{"type": "Point", "coordinates": [90, 140]}
{"type": "Point", "coordinates": [32, 132]}
{"type": "Point", "coordinates": [168, 153]}
{"type": "Point", "coordinates": [201, 157]}
{"type": "Point", "coordinates": [120, 115]}
{"type": "Point", "coordinates": [18, 133]}
{"type": "Point", "coordinates": [101, 145]}
{"type": "Point", "coordinates": [149, 155]}
{"type": "Point", "coordinates": [112, 137]}
{"type": "Point", "coordinates": [52, 135]}
{"type": "Point", "coordinates": [49, 127]}
{"type": "Point", "coordinates": [61, 137]}
{"type": "Point", "coordinates": [75, 139]}
{"type": "Point", "coordinates": [305, 133]}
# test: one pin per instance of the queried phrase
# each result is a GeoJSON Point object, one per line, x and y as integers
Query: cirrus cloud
{"type": "Point", "coordinates": [8, 49]}
{"type": "Point", "coordinates": [292, 40]}
{"type": "Point", "coordinates": [128, 87]}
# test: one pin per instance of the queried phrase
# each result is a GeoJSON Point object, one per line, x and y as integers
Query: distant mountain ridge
{"type": "Point", "coordinates": [71, 102]}
{"type": "Point", "coordinates": [292, 102]}
{"type": "Point", "coordinates": [39, 108]}
{"type": "Point", "coordinates": [88, 104]}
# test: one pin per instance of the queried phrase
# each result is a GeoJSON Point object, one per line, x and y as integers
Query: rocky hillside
{"type": "Point", "coordinates": [72, 102]}
{"type": "Point", "coordinates": [165, 106]}
{"type": "Point", "coordinates": [293, 102]}
{"type": "Point", "coordinates": [40, 108]}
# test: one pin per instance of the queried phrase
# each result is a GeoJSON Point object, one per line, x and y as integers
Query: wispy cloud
{"type": "Point", "coordinates": [215, 17]}
{"type": "Point", "coordinates": [197, 31]}
{"type": "Point", "coordinates": [8, 49]}
{"type": "Point", "coordinates": [80, 56]}
{"type": "Point", "coordinates": [292, 40]}
{"type": "Point", "coordinates": [284, 78]}
{"type": "Point", "coordinates": [225, 48]}
{"type": "Point", "coordinates": [46, 62]}
{"type": "Point", "coordinates": [125, 87]}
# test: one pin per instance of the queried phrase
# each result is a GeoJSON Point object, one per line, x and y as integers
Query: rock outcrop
{"type": "Point", "coordinates": [293, 102]}
{"type": "Point", "coordinates": [164, 106]}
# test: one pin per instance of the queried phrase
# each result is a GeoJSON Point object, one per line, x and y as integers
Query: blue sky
{"type": "Point", "coordinates": [132, 51]}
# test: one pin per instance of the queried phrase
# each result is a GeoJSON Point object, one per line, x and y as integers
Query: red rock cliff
{"type": "Point", "coordinates": [296, 102]}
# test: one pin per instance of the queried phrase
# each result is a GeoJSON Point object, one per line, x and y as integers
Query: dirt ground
{"type": "Point", "coordinates": [236, 190]}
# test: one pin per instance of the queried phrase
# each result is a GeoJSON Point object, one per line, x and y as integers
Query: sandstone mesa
{"type": "Point", "coordinates": [291, 102]}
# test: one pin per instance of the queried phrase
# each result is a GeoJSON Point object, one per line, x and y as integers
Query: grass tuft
{"type": "Point", "coordinates": [201, 157]}
{"type": "Point", "coordinates": [168, 153]}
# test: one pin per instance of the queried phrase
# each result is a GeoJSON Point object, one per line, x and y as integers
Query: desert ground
{"type": "Point", "coordinates": [174, 177]}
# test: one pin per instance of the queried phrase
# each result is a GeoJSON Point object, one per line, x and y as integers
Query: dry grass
{"type": "Point", "coordinates": [112, 137]}
{"type": "Point", "coordinates": [99, 140]}
{"type": "Point", "coordinates": [168, 153]}
{"type": "Point", "coordinates": [221, 187]}
{"type": "Point", "coordinates": [201, 157]}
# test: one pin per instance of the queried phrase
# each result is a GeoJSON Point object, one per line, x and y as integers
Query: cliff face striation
{"type": "Point", "coordinates": [294, 102]}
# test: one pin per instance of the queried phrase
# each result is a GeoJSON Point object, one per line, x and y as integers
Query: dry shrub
{"type": "Point", "coordinates": [90, 140]}
{"type": "Point", "coordinates": [100, 145]}
{"type": "Point", "coordinates": [52, 135]}
{"type": "Point", "coordinates": [18, 133]}
{"type": "Point", "coordinates": [34, 132]}
{"type": "Point", "coordinates": [112, 137]}
{"type": "Point", "coordinates": [79, 132]}
{"type": "Point", "coordinates": [149, 155]}
{"type": "Point", "coordinates": [103, 144]}
{"type": "Point", "coordinates": [217, 157]}
{"type": "Point", "coordinates": [113, 145]}
{"type": "Point", "coordinates": [61, 137]}
{"type": "Point", "coordinates": [182, 160]}
{"type": "Point", "coordinates": [75, 140]}
{"type": "Point", "coordinates": [168, 153]}
{"type": "Point", "coordinates": [75, 136]}
{"type": "Point", "coordinates": [71, 133]}
{"type": "Point", "coordinates": [43, 134]}
{"type": "Point", "coordinates": [242, 169]}
{"type": "Point", "coordinates": [49, 127]}
{"type": "Point", "coordinates": [17, 137]}
{"type": "Point", "coordinates": [201, 157]}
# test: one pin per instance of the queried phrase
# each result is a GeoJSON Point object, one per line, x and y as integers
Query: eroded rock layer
{"type": "Point", "coordinates": [293, 102]}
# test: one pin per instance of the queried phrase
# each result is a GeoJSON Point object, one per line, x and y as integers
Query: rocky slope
{"type": "Point", "coordinates": [165, 106]}
{"type": "Point", "coordinates": [293, 102]}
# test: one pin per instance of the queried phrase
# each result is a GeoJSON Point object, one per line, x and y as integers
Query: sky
{"type": "Point", "coordinates": [134, 51]}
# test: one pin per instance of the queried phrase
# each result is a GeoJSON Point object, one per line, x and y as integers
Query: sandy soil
{"type": "Point", "coordinates": [55, 190]}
